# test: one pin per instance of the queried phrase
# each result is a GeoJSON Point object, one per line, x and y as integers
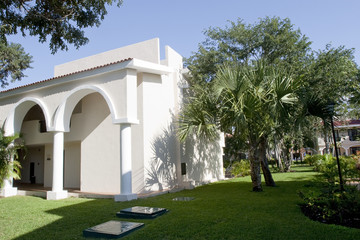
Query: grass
{"type": "Point", "coordinates": [224, 210]}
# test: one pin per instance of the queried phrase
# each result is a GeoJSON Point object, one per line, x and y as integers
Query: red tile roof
{"type": "Point", "coordinates": [69, 74]}
{"type": "Point", "coordinates": [347, 122]}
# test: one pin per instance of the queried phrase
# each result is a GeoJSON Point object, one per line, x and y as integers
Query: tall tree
{"type": "Point", "coordinates": [330, 77]}
{"type": "Point", "coordinates": [247, 101]}
{"type": "Point", "coordinates": [273, 39]}
{"type": "Point", "coordinates": [59, 22]}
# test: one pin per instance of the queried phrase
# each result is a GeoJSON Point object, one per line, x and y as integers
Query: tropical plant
{"type": "Point", "coordinates": [240, 168]}
{"type": "Point", "coordinates": [246, 102]}
{"type": "Point", "coordinates": [333, 206]}
{"type": "Point", "coordinates": [9, 166]}
{"type": "Point", "coordinates": [327, 165]}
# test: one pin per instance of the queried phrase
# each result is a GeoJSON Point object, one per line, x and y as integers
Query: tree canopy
{"type": "Point", "coordinates": [275, 83]}
{"type": "Point", "coordinates": [273, 39]}
{"type": "Point", "coordinates": [60, 23]}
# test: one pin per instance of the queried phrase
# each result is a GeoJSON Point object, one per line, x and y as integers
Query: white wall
{"type": "Point", "coordinates": [146, 50]}
{"type": "Point", "coordinates": [48, 165]}
{"type": "Point", "coordinates": [34, 154]}
{"type": "Point", "coordinates": [160, 155]}
{"type": "Point", "coordinates": [92, 147]}
{"type": "Point", "coordinates": [203, 160]}
{"type": "Point", "coordinates": [100, 146]}
{"type": "Point", "coordinates": [72, 165]}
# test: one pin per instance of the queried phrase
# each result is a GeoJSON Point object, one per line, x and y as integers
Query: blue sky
{"type": "Point", "coordinates": [180, 24]}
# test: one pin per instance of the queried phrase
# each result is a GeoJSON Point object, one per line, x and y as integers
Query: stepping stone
{"type": "Point", "coordinates": [112, 229]}
{"type": "Point", "coordinates": [141, 212]}
{"type": "Point", "coordinates": [183, 199]}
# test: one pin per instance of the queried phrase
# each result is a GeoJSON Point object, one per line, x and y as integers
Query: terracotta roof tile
{"type": "Point", "coordinates": [69, 74]}
{"type": "Point", "coordinates": [346, 122]}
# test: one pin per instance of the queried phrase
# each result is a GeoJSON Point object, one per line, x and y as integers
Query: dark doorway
{"type": "Point", "coordinates": [32, 173]}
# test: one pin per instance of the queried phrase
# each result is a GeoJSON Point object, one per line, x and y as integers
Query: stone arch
{"type": "Point", "coordinates": [64, 111]}
{"type": "Point", "coordinates": [15, 118]}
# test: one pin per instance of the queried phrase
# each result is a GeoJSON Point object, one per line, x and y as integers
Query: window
{"type": "Point", "coordinates": [354, 135]}
{"type": "Point", "coordinates": [355, 150]}
{"type": "Point", "coordinates": [337, 136]}
{"type": "Point", "coordinates": [42, 126]}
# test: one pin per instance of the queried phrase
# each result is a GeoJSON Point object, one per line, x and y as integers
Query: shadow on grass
{"type": "Point", "coordinates": [223, 210]}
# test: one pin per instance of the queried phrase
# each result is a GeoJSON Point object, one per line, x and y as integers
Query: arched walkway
{"type": "Point", "coordinates": [15, 118]}
{"type": "Point", "coordinates": [64, 111]}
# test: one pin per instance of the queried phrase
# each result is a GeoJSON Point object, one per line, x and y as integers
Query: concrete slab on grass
{"type": "Point", "coordinates": [141, 212]}
{"type": "Point", "coordinates": [112, 229]}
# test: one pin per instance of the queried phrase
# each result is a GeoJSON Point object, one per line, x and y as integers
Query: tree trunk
{"type": "Point", "coordinates": [255, 169]}
{"type": "Point", "coordinates": [326, 140]}
{"type": "Point", "coordinates": [278, 154]}
{"type": "Point", "coordinates": [269, 181]}
{"type": "Point", "coordinates": [287, 161]}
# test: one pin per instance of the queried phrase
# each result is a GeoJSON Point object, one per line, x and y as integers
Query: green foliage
{"type": "Point", "coordinates": [333, 206]}
{"type": "Point", "coordinates": [273, 39]}
{"type": "Point", "coordinates": [327, 165]}
{"type": "Point", "coordinates": [313, 159]}
{"type": "Point", "coordinates": [199, 115]}
{"type": "Point", "coordinates": [13, 61]}
{"type": "Point", "coordinates": [59, 22]}
{"type": "Point", "coordinates": [240, 168]}
{"type": "Point", "coordinates": [9, 166]}
{"type": "Point", "coordinates": [332, 74]}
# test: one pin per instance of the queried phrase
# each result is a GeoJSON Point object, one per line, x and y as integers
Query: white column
{"type": "Point", "coordinates": [57, 191]}
{"type": "Point", "coordinates": [8, 190]}
{"type": "Point", "coordinates": [347, 151]}
{"type": "Point", "coordinates": [126, 193]}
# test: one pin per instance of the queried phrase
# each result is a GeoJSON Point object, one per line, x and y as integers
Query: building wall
{"type": "Point", "coordinates": [344, 144]}
{"type": "Point", "coordinates": [203, 160]}
{"type": "Point", "coordinates": [34, 154]}
{"type": "Point", "coordinates": [100, 145]}
{"type": "Point", "coordinates": [92, 145]}
{"type": "Point", "coordinates": [160, 158]}
{"type": "Point", "coordinates": [146, 50]}
{"type": "Point", "coordinates": [72, 160]}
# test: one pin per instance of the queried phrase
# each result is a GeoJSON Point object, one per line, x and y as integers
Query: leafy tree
{"type": "Point", "coordinates": [9, 166]}
{"type": "Point", "coordinates": [273, 39]}
{"type": "Point", "coordinates": [59, 22]}
{"type": "Point", "coordinates": [245, 101]}
{"type": "Point", "coordinates": [332, 75]}
{"type": "Point", "coordinates": [13, 61]}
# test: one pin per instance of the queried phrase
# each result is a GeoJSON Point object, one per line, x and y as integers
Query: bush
{"type": "Point", "coordinates": [327, 165]}
{"type": "Point", "coordinates": [333, 206]}
{"type": "Point", "coordinates": [241, 168]}
{"type": "Point", "coordinates": [314, 159]}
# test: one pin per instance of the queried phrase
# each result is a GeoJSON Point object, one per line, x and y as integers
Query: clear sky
{"type": "Point", "coordinates": [180, 24]}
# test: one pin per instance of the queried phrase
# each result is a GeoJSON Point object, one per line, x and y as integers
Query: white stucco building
{"type": "Point", "coordinates": [106, 124]}
{"type": "Point", "coordinates": [347, 134]}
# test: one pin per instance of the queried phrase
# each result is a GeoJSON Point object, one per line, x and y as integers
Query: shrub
{"type": "Point", "coordinates": [327, 165]}
{"type": "Point", "coordinates": [241, 168]}
{"type": "Point", "coordinates": [314, 159]}
{"type": "Point", "coordinates": [333, 206]}
{"type": "Point", "coordinates": [329, 168]}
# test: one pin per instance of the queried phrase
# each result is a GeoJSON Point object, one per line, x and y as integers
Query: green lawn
{"type": "Point", "coordinates": [224, 210]}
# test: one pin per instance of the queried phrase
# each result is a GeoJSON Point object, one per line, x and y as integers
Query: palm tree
{"type": "Point", "coordinates": [9, 166]}
{"type": "Point", "coordinates": [247, 102]}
